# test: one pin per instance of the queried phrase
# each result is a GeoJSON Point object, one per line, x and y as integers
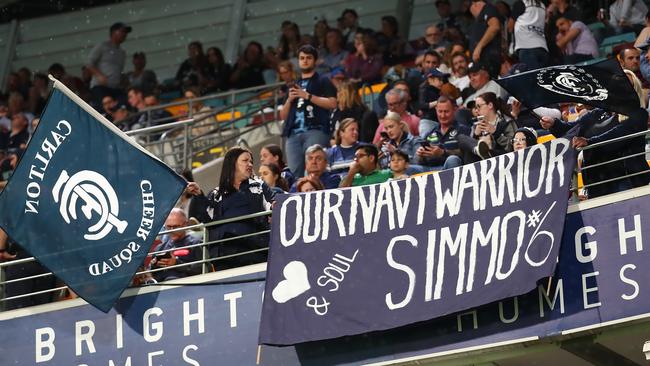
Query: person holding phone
{"type": "Point", "coordinates": [176, 239]}
{"type": "Point", "coordinates": [439, 148]}
{"type": "Point", "coordinates": [491, 134]}
{"type": "Point", "coordinates": [396, 136]}
{"type": "Point", "coordinates": [306, 111]}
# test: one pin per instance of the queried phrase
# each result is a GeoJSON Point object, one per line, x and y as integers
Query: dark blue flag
{"type": "Point", "coordinates": [86, 200]}
{"type": "Point", "coordinates": [603, 85]}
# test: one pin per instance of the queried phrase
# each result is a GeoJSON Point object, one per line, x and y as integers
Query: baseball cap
{"type": "Point", "coordinates": [476, 67]}
{"type": "Point", "coordinates": [120, 25]}
{"type": "Point", "coordinates": [435, 73]}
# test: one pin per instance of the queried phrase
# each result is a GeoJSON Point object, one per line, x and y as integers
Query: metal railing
{"type": "Point", "coordinates": [176, 143]}
{"type": "Point", "coordinates": [206, 260]}
{"type": "Point", "coordinates": [575, 188]}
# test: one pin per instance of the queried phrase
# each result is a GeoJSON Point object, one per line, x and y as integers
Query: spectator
{"type": "Point", "coordinates": [176, 239]}
{"type": "Point", "coordinates": [334, 53]}
{"type": "Point", "coordinates": [143, 119]}
{"type": "Point", "coordinates": [459, 71]}
{"type": "Point", "coordinates": [480, 83]}
{"type": "Point", "coordinates": [530, 43]}
{"type": "Point", "coordinates": [599, 125]}
{"type": "Point", "coordinates": [289, 41]}
{"type": "Point", "coordinates": [484, 36]}
{"type": "Point", "coordinates": [630, 59]}
{"type": "Point", "coordinates": [106, 63]}
{"type": "Point", "coordinates": [195, 70]}
{"type": "Point", "coordinates": [307, 184]}
{"type": "Point", "coordinates": [306, 111]}
{"type": "Point", "coordinates": [16, 105]}
{"type": "Point", "coordinates": [399, 164]}
{"type": "Point", "coordinates": [439, 149]}
{"type": "Point", "coordinates": [524, 137]}
{"type": "Point", "coordinates": [349, 105]}
{"type": "Point", "coordinates": [33, 269]}
{"type": "Point", "coordinates": [140, 77]}
{"type": "Point", "coordinates": [391, 45]}
{"type": "Point", "coordinates": [287, 75]}
{"type": "Point", "coordinates": [364, 65]}
{"type": "Point", "coordinates": [341, 155]}
{"type": "Point", "coordinates": [447, 18]}
{"type": "Point", "coordinates": [396, 136]}
{"type": "Point", "coordinates": [429, 94]}
{"type": "Point", "coordinates": [575, 40]}
{"type": "Point", "coordinates": [57, 70]}
{"type": "Point", "coordinates": [24, 81]}
{"type": "Point", "coordinates": [201, 113]}
{"type": "Point", "coordinates": [239, 193]}
{"type": "Point", "coordinates": [397, 102]}
{"type": "Point", "coordinates": [271, 175]}
{"type": "Point", "coordinates": [272, 154]}
{"type": "Point", "coordinates": [320, 35]}
{"type": "Point", "coordinates": [316, 168]}
{"type": "Point", "coordinates": [510, 65]}
{"type": "Point", "coordinates": [645, 33]}
{"type": "Point", "coordinates": [109, 105]}
{"type": "Point", "coordinates": [644, 67]}
{"type": "Point", "coordinates": [38, 94]}
{"type": "Point", "coordinates": [365, 168]}
{"type": "Point", "coordinates": [627, 16]}
{"type": "Point", "coordinates": [19, 134]}
{"type": "Point", "coordinates": [249, 67]}
{"type": "Point", "coordinates": [433, 40]}
{"type": "Point", "coordinates": [349, 28]}
{"type": "Point", "coordinates": [219, 71]}
{"type": "Point", "coordinates": [491, 135]}
{"type": "Point", "coordinates": [557, 9]}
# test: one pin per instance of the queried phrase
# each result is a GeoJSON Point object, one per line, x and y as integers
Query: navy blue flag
{"type": "Point", "coordinates": [602, 84]}
{"type": "Point", "coordinates": [362, 259]}
{"type": "Point", "coordinates": [86, 200]}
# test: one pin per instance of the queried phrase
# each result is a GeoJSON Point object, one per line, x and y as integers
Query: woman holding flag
{"type": "Point", "coordinates": [239, 193]}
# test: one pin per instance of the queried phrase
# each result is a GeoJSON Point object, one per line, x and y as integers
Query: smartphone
{"type": "Point", "coordinates": [384, 135]}
{"type": "Point", "coordinates": [164, 255]}
{"type": "Point", "coordinates": [425, 143]}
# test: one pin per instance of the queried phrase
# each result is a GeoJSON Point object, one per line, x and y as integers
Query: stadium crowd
{"type": "Point", "coordinates": [440, 108]}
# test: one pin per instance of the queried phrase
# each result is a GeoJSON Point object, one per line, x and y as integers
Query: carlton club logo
{"type": "Point", "coordinates": [98, 198]}
{"type": "Point", "coordinates": [572, 81]}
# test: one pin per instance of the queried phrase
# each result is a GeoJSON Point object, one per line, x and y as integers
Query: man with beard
{"type": "Point", "coordinates": [306, 111]}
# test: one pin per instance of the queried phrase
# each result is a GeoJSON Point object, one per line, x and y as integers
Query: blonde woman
{"type": "Point", "coordinates": [349, 105]}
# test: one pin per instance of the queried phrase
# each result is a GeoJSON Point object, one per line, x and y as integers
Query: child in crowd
{"type": "Point", "coordinates": [399, 163]}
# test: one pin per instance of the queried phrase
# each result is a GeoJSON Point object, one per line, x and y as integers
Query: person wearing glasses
{"type": "Point", "coordinates": [176, 239]}
{"type": "Point", "coordinates": [365, 169]}
{"type": "Point", "coordinates": [524, 137]}
{"type": "Point", "coordinates": [397, 101]}
{"type": "Point", "coordinates": [493, 132]}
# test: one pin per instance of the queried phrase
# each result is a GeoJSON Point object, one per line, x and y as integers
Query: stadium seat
{"type": "Point", "coordinates": [609, 43]}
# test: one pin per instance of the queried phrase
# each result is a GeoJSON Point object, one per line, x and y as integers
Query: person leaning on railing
{"type": "Point", "coordinates": [11, 251]}
{"type": "Point", "coordinates": [239, 193]}
{"type": "Point", "coordinates": [599, 125]}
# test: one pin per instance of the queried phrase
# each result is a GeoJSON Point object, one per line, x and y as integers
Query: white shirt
{"type": "Point", "coordinates": [633, 11]}
{"type": "Point", "coordinates": [529, 27]}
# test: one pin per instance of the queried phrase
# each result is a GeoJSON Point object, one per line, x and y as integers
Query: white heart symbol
{"type": "Point", "coordinates": [294, 284]}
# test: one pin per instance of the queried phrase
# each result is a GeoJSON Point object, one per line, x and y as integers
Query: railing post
{"type": "Point", "coordinates": [186, 149]}
{"type": "Point", "coordinates": [205, 253]}
{"type": "Point", "coordinates": [232, 111]}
